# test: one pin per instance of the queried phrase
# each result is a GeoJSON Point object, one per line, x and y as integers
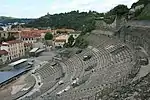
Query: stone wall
{"type": "Point", "coordinates": [143, 23]}
{"type": "Point", "coordinates": [135, 35]}
{"type": "Point", "coordinates": [100, 24]}
{"type": "Point", "coordinates": [110, 28]}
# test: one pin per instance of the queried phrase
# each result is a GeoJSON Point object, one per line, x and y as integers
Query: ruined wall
{"type": "Point", "coordinates": [136, 35]}
{"type": "Point", "coordinates": [143, 23]}
{"type": "Point", "coordinates": [109, 29]}
{"type": "Point", "coordinates": [102, 25]}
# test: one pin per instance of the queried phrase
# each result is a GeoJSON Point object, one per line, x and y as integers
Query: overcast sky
{"type": "Point", "coordinates": [37, 8]}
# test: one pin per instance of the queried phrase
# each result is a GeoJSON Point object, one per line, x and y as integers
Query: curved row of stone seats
{"type": "Point", "coordinates": [48, 75]}
{"type": "Point", "coordinates": [74, 66]}
{"type": "Point", "coordinates": [70, 66]}
{"type": "Point", "coordinates": [111, 68]}
{"type": "Point", "coordinates": [106, 76]}
{"type": "Point", "coordinates": [91, 88]}
{"type": "Point", "coordinates": [48, 72]}
{"type": "Point", "coordinates": [79, 67]}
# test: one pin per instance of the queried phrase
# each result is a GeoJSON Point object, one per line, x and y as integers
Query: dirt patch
{"type": "Point", "coordinates": [12, 88]}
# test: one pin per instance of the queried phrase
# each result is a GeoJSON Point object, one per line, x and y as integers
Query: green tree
{"type": "Point", "coordinates": [48, 36]}
{"type": "Point", "coordinates": [70, 40]}
{"type": "Point", "coordinates": [118, 10]}
{"type": "Point", "coordinates": [74, 20]}
{"type": "Point", "coordinates": [81, 42]}
{"type": "Point", "coordinates": [121, 10]}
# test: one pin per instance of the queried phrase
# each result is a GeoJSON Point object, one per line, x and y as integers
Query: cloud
{"type": "Point", "coordinates": [85, 5]}
{"type": "Point", "coordinates": [37, 8]}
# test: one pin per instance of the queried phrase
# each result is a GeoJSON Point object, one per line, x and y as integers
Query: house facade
{"type": "Point", "coordinates": [60, 40]}
{"type": "Point", "coordinates": [3, 57]}
{"type": "Point", "coordinates": [14, 48]}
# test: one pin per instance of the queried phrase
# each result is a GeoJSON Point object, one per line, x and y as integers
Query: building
{"type": "Point", "coordinates": [64, 31]}
{"type": "Point", "coordinates": [14, 48]}
{"type": "Point", "coordinates": [4, 34]}
{"type": "Point", "coordinates": [29, 38]}
{"type": "Point", "coordinates": [61, 40]}
{"type": "Point", "coordinates": [28, 47]}
{"type": "Point", "coordinates": [15, 33]}
{"type": "Point", "coordinates": [33, 36]}
{"type": "Point", "coordinates": [3, 57]}
{"type": "Point", "coordinates": [8, 34]}
{"type": "Point", "coordinates": [75, 34]}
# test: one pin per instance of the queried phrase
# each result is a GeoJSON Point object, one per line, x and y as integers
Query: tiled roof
{"type": "Point", "coordinates": [3, 52]}
{"type": "Point", "coordinates": [33, 33]}
{"type": "Point", "coordinates": [60, 40]}
{"type": "Point", "coordinates": [66, 30]}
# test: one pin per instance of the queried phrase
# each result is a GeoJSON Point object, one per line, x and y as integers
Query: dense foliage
{"type": "Point", "coordinates": [70, 42]}
{"type": "Point", "coordinates": [74, 20]}
{"type": "Point", "coordinates": [81, 42]}
{"type": "Point", "coordinates": [120, 10]}
{"type": "Point", "coordinates": [140, 2]}
{"type": "Point", "coordinates": [48, 36]}
{"type": "Point", "coordinates": [144, 12]}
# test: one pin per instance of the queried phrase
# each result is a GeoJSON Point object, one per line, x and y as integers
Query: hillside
{"type": "Point", "coordinates": [140, 10]}
{"type": "Point", "coordinates": [6, 20]}
{"type": "Point", "coordinates": [85, 21]}
{"type": "Point", "coordinates": [145, 14]}
{"type": "Point", "coordinates": [140, 2]}
{"type": "Point", "coordinates": [74, 19]}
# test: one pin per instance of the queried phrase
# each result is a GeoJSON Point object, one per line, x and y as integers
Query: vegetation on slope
{"type": "Point", "coordinates": [142, 13]}
{"type": "Point", "coordinates": [140, 2]}
{"type": "Point", "coordinates": [145, 13]}
{"type": "Point", "coordinates": [120, 10]}
{"type": "Point", "coordinates": [74, 20]}
{"type": "Point", "coordinates": [6, 20]}
{"type": "Point", "coordinates": [81, 42]}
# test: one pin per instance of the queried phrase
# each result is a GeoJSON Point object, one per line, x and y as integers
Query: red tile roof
{"type": "Point", "coordinates": [3, 52]}
{"type": "Point", "coordinates": [33, 33]}
{"type": "Point", "coordinates": [66, 30]}
{"type": "Point", "coordinates": [60, 40]}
